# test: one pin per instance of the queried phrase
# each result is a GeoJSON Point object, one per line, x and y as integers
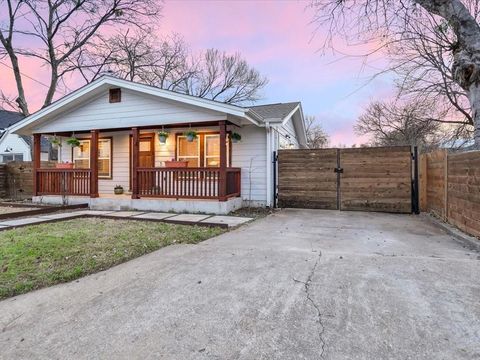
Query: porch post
{"type": "Point", "coordinates": [135, 160]}
{"type": "Point", "coordinates": [222, 178]}
{"type": "Point", "coordinates": [36, 162]}
{"type": "Point", "coordinates": [94, 163]}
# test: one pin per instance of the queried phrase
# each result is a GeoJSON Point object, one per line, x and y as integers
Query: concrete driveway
{"type": "Point", "coordinates": [301, 284]}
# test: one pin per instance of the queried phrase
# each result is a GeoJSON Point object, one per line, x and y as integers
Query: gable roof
{"type": "Point", "coordinates": [275, 111]}
{"type": "Point", "coordinates": [8, 118]}
{"type": "Point", "coordinates": [258, 115]}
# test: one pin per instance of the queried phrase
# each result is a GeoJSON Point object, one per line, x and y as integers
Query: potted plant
{"type": "Point", "coordinates": [73, 141]}
{"type": "Point", "coordinates": [191, 135]}
{"type": "Point", "coordinates": [56, 142]}
{"type": "Point", "coordinates": [118, 189]}
{"type": "Point", "coordinates": [162, 136]}
{"type": "Point", "coordinates": [64, 165]}
{"type": "Point", "coordinates": [236, 137]}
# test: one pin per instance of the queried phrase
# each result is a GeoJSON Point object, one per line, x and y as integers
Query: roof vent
{"type": "Point", "coordinates": [115, 95]}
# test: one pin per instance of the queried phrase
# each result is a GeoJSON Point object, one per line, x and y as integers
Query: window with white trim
{"type": "Point", "coordinates": [189, 150]}
{"type": "Point", "coordinates": [81, 157]}
{"type": "Point", "coordinates": [7, 157]}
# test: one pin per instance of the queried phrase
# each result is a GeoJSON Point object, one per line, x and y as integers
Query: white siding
{"type": "Point", "coordinates": [281, 137]}
{"type": "Point", "coordinates": [134, 110]}
{"type": "Point", "coordinates": [250, 155]}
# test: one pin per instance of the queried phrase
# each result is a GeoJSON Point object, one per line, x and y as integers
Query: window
{"type": "Point", "coordinates": [11, 157]}
{"type": "Point", "coordinates": [81, 157]}
{"type": "Point", "coordinates": [104, 158]}
{"type": "Point", "coordinates": [209, 157]}
{"type": "Point", "coordinates": [188, 151]}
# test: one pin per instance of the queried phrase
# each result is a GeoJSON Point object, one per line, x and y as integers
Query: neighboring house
{"type": "Point", "coordinates": [212, 173]}
{"type": "Point", "coordinates": [15, 147]}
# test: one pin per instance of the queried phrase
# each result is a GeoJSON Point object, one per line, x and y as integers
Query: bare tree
{"type": "Point", "coordinates": [389, 124]}
{"type": "Point", "coordinates": [385, 21]}
{"type": "Point", "coordinates": [56, 30]}
{"type": "Point", "coordinates": [169, 64]}
{"type": "Point", "coordinates": [317, 138]}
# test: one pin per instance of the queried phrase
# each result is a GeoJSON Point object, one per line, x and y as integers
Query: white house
{"type": "Point", "coordinates": [15, 147]}
{"type": "Point", "coordinates": [117, 125]}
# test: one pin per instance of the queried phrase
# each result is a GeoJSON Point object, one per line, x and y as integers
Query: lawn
{"type": "Point", "coordinates": [43, 255]}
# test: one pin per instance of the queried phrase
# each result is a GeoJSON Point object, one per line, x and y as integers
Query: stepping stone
{"type": "Point", "coordinates": [24, 221]}
{"type": "Point", "coordinates": [154, 216]}
{"type": "Point", "coordinates": [60, 216]}
{"type": "Point", "coordinates": [231, 221]}
{"type": "Point", "coordinates": [94, 212]}
{"type": "Point", "coordinates": [187, 218]}
{"type": "Point", "coordinates": [125, 213]}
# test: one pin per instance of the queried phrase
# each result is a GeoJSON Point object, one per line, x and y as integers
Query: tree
{"type": "Point", "coordinates": [391, 124]}
{"type": "Point", "coordinates": [56, 30]}
{"type": "Point", "coordinates": [317, 138]}
{"type": "Point", "coordinates": [385, 22]}
{"type": "Point", "coordinates": [168, 64]}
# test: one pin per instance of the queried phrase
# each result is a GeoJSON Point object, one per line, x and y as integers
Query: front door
{"type": "Point", "coordinates": [146, 156]}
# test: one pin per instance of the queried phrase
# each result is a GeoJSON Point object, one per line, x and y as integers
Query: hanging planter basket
{"type": "Point", "coordinates": [73, 142]}
{"type": "Point", "coordinates": [162, 136]}
{"type": "Point", "coordinates": [236, 137]}
{"type": "Point", "coordinates": [191, 135]}
{"type": "Point", "coordinates": [56, 142]}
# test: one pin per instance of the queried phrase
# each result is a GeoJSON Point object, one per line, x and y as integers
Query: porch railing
{"type": "Point", "coordinates": [187, 183]}
{"type": "Point", "coordinates": [63, 181]}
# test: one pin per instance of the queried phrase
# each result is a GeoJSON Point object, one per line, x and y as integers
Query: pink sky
{"type": "Point", "coordinates": [276, 38]}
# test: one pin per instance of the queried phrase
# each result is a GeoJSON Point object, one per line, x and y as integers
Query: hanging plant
{"type": "Point", "coordinates": [73, 141]}
{"type": "Point", "coordinates": [56, 142]}
{"type": "Point", "coordinates": [162, 136]}
{"type": "Point", "coordinates": [191, 135]}
{"type": "Point", "coordinates": [236, 137]}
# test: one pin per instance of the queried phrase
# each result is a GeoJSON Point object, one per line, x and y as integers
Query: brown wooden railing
{"type": "Point", "coordinates": [63, 181]}
{"type": "Point", "coordinates": [187, 183]}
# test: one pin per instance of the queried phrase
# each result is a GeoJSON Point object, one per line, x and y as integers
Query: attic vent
{"type": "Point", "coordinates": [115, 95]}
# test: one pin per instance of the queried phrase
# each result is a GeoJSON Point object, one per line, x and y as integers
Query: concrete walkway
{"type": "Point", "coordinates": [188, 219]}
{"type": "Point", "coordinates": [296, 285]}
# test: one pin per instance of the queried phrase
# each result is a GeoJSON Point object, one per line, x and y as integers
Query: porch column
{"type": "Point", "coordinates": [36, 162]}
{"type": "Point", "coordinates": [94, 163]}
{"type": "Point", "coordinates": [135, 160]}
{"type": "Point", "coordinates": [222, 178]}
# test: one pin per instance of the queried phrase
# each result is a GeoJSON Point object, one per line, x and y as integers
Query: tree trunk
{"type": "Point", "coordinates": [21, 101]}
{"type": "Point", "coordinates": [474, 96]}
{"type": "Point", "coordinates": [53, 86]}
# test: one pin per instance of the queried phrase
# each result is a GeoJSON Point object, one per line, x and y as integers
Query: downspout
{"type": "Point", "coordinates": [269, 163]}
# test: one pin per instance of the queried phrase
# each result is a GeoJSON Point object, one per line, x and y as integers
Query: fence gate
{"type": "Point", "coordinates": [368, 179]}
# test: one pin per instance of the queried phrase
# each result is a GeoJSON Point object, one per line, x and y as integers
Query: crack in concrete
{"type": "Point", "coordinates": [306, 285]}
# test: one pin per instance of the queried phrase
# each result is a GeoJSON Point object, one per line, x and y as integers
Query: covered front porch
{"type": "Point", "coordinates": [176, 170]}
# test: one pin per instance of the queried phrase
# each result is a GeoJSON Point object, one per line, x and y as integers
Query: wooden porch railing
{"type": "Point", "coordinates": [186, 183]}
{"type": "Point", "coordinates": [63, 181]}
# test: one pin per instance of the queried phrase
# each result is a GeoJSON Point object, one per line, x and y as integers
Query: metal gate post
{"type": "Point", "coordinates": [415, 190]}
{"type": "Point", "coordinates": [274, 164]}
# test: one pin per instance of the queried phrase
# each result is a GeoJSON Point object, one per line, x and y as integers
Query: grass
{"type": "Point", "coordinates": [42, 255]}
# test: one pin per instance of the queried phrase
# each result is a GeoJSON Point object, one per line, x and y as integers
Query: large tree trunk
{"type": "Point", "coordinates": [466, 66]}
{"type": "Point", "coordinates": [474, 96]}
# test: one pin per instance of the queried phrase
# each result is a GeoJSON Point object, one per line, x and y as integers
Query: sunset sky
{"type": "Point", "coordinates": [277, 38]}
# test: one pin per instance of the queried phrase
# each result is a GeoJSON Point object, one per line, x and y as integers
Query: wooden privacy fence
{"type": "Point", "coordinates": [17, 180]}
{"type": "Point", "coordinates": [369, 179]}
{"type": "Point", "coordinates": [450, 188]}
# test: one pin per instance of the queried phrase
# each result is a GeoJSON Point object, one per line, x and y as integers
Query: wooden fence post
{"type": "Point", "coordinates": [423, 182]}
{"type": "Point", "coordinates": [445, 169]}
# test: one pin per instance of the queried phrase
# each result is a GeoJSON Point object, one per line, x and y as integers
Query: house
{"type": "Point", "coordinates": [15, 147]}
{"type": "Point", "coordinates": [117, 125]}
